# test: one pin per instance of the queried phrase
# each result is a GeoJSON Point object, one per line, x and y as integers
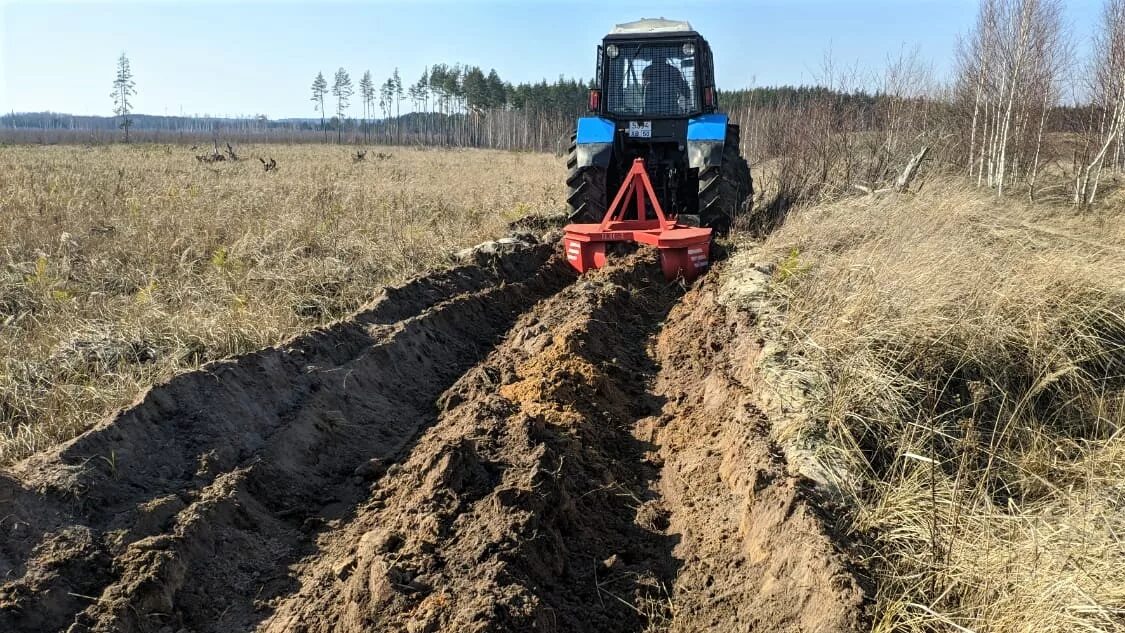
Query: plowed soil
{"type": "Point", "coordinates": [499, 447]}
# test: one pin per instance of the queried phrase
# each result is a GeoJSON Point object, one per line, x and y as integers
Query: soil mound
{"type": "Point", "coordinates": [757, 551]}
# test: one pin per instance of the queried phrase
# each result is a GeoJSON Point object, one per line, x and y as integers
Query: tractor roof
{"type": "Point", "coordinates": [652, 26]}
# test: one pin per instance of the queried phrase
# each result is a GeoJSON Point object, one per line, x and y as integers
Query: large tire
{"type": "Point", "coordinates": [586, 188]}
{"type": "Point", "coordinates": [725, 191]}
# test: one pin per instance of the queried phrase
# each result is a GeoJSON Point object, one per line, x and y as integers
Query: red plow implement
{"type": "Point", "coordinates": [684, 250]}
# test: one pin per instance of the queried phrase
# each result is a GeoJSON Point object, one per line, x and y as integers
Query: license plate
{"type": "Point", "coordinates": [640, 129]}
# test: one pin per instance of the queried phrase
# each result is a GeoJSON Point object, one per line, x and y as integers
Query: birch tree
{"type": "Point", "coordinates": [1011, 65]}
{"type": "Point", "coordinates": [1106, 76]}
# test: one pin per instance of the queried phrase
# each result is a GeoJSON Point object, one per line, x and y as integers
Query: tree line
{"type": "Point", "coordinates": [452, 104]}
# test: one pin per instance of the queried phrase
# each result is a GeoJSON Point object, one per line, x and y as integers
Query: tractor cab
{"type": "Point", "coordinates": [655, 69]}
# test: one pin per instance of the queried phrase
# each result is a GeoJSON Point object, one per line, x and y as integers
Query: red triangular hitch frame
{"type": "Point", "coordinates": [684, 250]}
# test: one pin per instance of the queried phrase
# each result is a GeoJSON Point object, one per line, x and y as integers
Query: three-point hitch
{"type": "Point", "coordinates": [684, 250]}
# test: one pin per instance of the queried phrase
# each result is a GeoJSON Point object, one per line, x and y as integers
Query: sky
{"type": "Point", "coordinates": [261, 56]}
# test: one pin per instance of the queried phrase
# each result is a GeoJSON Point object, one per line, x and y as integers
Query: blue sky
{"type": "Point", "coordinates": [244, 58]}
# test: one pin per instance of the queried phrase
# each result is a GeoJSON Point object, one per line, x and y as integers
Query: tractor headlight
{"type": "Point", "coordinates": [611, 51]}
{"type": "Point", "coordinates": [689, 49]}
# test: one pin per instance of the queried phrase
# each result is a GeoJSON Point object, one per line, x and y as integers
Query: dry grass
{"type": "Point", "coordinates": [974, 356]}
{"type": "Point", "coordinates": [125, 265]}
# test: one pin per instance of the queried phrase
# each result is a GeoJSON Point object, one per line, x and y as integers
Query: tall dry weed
{"type": "Point", "coordinates": [974, 353]}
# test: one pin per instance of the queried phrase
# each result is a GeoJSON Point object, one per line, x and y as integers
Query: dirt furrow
{"type": "Point", "coordinates": [187, 507]}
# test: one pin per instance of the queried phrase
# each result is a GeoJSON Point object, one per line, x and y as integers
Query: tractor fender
{"type": "Point", "coordinates": [706, 135]}
{"type": "Point", "coordinates": [594, 141]}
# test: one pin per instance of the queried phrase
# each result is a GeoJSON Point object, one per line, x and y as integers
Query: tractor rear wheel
{"type": "Point", "coordinates": [586, 188]}
{"type": "Point", "coordinates": [725, 190]}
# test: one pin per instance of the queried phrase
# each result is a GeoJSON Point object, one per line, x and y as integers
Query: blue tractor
{"type": "Point", "coordinates": [655, 99]}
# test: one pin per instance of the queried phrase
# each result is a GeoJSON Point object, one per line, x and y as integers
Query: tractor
{"type": "Point", "coordinates": [655, 99]}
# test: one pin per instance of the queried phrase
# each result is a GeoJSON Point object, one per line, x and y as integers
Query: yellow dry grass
{"type": "Point", "coordinates": [973, 352]}
{"type": "Point", "coordinates": [122, 265]}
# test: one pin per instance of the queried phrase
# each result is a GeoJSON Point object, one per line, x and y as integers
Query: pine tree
{"type": "Point", "coordinates": [342, 90]}
{"type": "Point", "coordinates": [386, 95]}
{"type": "Point", "coordinates": [497, 95]}
{"type": "Point", "coordinates": [396, 86]}
{"type": "Point", "coordinates": [319, 89]}
{"type": "Point", "coordinates": [475, 87]}
{"type": "Point", "coordinates": [123, 88]}
{"type": "Point", "coordinates": [424, 88]}
{"type": "Point", "coordinates": [367, 95]}
{"type": "Point", "coordinates": [437, 86]}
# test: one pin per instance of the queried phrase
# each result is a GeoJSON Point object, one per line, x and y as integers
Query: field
{"type": "Point", "coordinates": [893, 413]}
{"type": "Point", "coordinates": [125, 265]}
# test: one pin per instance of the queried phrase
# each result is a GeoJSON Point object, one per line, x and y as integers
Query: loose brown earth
{"type": "Point", "coordinates": [499, 447]}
